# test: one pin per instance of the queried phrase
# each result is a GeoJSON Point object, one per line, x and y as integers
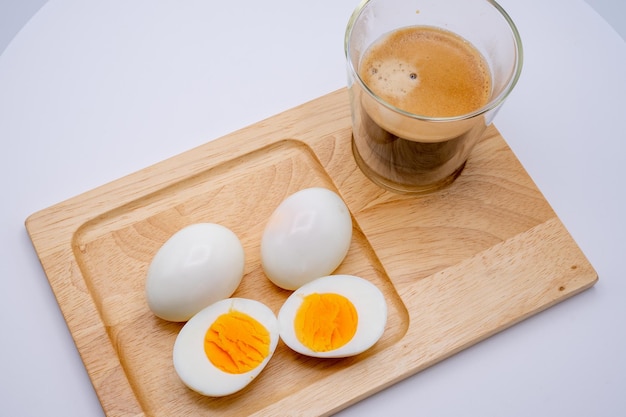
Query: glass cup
{"type": "Point", "coordinates": [403, 150]}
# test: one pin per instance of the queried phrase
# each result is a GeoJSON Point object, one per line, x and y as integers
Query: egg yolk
{"type": "Point", "coordinates": [325, 322]}
{"type": "Point", "coordinates": [236, 343]}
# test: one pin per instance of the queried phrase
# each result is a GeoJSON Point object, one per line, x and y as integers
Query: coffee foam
{"type": "Point", "coordinates": [427, 71]}
{"type": "Point", "coordinates": [397, 78]}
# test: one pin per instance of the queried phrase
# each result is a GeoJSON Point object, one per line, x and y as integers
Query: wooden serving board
{"type": "Point", "coordinates": [455, 266]}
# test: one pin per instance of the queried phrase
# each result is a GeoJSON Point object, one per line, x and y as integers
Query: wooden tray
{"type": "Point", "coordinates": [456, 266]}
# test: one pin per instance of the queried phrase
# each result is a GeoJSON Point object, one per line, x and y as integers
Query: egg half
{"type": "Point", "coordinates": [197, 266]}
{"type": "Point", "coordinates": [333, 317]}
{"type": "Point", "coordinates": [225, 346]}
{"type": "Point", "coordinates": [306, 237]}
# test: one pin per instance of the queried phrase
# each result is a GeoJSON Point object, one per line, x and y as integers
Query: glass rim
{"type": "Point", "coordinates": [494, 103]}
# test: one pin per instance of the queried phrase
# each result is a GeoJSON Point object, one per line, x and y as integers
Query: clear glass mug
{"type": "Point", "coordinates": [412, 153]}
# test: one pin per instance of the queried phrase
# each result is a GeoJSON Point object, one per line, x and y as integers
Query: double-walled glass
{"type": "Point", "coordinates": [413, 153]}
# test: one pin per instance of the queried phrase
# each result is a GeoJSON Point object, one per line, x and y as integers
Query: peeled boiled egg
{"type": "Point", "coordinates": [222, 348]}
{"type": "Point", "coordinates": [333, 317]}
{"type": "Point", "coordinates": [197, 266]}
{"type": "Point", "coordinates": [306, 237]}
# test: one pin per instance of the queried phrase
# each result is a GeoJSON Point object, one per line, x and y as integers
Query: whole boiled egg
{"type": "Point", "coordinates": [306, 237]}
{"type": "Point", "coordinates": [333, 317]}
{"type": "Point", "coordinates": [197, 266]}
{"type": "Point", "coordinates": [225, 346]}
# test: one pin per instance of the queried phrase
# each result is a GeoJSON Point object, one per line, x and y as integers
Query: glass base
{"type": "Point", "coordinates": [402, 188]}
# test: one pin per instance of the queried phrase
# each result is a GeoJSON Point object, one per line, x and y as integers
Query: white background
{"type": "Point", "coordinates": [92, 91]}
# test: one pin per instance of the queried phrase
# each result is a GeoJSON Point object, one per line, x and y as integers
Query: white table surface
{"type": "Point", "coordinates": [92, 91]}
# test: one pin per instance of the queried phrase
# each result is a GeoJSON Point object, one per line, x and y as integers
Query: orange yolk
{"type": "Point", "coordinates": [236, 343]}
{"type": "Point", "coordinates": [325, 322]}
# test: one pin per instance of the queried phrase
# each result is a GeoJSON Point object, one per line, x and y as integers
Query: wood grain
{"type": "Point", "coordinates": [455, 266]}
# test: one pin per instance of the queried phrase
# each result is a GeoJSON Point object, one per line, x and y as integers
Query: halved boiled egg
{"type": "Point", "coordinates": [222, 348]}
{"type": "Point", "coordinates": [333, 317]}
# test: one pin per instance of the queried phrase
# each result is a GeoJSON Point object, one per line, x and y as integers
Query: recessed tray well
{"type": "Point", "coordinates": [455, 266]}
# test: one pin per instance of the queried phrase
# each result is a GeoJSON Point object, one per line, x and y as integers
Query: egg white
{"type": "Point", "coordinates": [367, 299]}
{"type": "Point", "coordinates": [197, 266]}
{"type": "Point", "coordinates": [193, 366]}
{"type": "Point", "coordinates": [307, 236]}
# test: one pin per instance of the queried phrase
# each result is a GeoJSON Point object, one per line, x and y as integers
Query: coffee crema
{"type": "Point", "coordinates": [427, 71]}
